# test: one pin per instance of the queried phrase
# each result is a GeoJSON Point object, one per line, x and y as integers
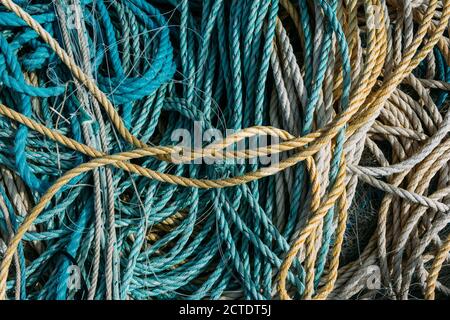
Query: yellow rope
{"type": "Point", "coordinates": [365, 102]}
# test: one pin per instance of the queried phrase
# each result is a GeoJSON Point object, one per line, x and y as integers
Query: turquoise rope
{"type": "Point", "coordinates": [164, 65]}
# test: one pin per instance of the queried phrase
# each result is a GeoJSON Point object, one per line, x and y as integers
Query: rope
{"type": "Point", "coordinates": [96, 97]}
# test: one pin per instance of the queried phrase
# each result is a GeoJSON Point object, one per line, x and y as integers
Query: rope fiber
{"type": "Point", "coordinates": [218, 149]}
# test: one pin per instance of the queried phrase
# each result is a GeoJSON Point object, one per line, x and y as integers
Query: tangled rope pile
{"type": "Point", "coordinates": [92, 91]}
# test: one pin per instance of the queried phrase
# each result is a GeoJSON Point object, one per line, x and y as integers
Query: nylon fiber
{"type": "Point", "coordinates": [224, 149]}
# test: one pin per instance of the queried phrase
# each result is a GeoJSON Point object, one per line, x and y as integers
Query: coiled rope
{"type": "Point", "coordinates": [91, 93]}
